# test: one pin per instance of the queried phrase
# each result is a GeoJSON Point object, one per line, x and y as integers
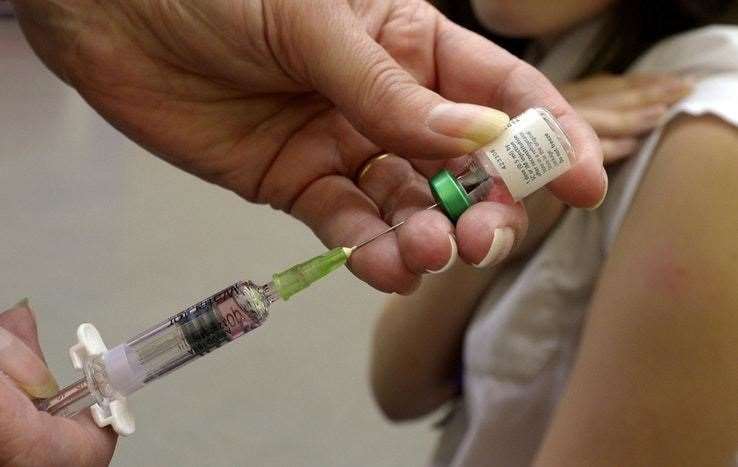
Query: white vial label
{"type": "Point", "coordinates": [528, 154]}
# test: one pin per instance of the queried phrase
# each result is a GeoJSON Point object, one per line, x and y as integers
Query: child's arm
{"type": "Point", "coordinates": [656, 380]}
{"type": "Point", "coordinates": [417, 343]}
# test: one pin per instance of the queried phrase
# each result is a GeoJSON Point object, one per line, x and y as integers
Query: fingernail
{"type": "Point", "coordinates": [23, 303]}
{"type": "Point", "coordinates": [24, 367]}
{"type": "Point", "coordinates": [44, 391]}
{"type": "Point", "coordinates": [477, 124]}
{"type": "Point", "coordinates": [451, 260]}
{"type": "Point", "coordinates": [606, 183]}
{"type": "Point", "coordinates": [503, 240]}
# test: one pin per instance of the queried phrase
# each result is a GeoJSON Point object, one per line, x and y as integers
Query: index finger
{"type": "Point", "coordinates": [473, 69]}
{"type": "Point", "coordinates": [342, 215]}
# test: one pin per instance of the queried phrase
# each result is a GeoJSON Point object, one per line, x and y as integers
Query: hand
{"type": "Point", "coordinates": [29, 437]}
{"type": "Point", "coordinates": [622, 109]}
{"type": "Point", "coordinates": [283, 102]}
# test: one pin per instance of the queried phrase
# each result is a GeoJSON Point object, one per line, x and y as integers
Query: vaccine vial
{"type": "Point", "coordinates": [531, 152]}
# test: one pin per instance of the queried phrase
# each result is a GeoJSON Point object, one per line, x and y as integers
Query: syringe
{"type": "Point", "coordinates": [112, 375]}
{"type": "Point", "coordinates": [532, 151]}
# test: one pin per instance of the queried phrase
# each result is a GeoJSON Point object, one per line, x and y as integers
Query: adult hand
{"type": "Point", "coordinates": [28, 437]}
{"type": "Point", "coordinates": [283, 102]}
{"type": "Point", "coordinates": [623, 108]}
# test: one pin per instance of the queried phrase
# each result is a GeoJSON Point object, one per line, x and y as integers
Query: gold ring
{"type": "Point", "coordinates": [368, 165]}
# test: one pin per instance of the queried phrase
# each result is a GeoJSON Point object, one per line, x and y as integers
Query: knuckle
{"type": "Point", "coordinates": [380, 85]}
{"type": "Point", "coordinates": [406, 33]}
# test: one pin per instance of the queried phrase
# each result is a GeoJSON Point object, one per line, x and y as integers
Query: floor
{"type": "Point", "coordinates": [95, 229]}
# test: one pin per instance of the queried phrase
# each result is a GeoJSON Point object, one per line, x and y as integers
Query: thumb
{"type": "Point", "coordinates": [385, 103]}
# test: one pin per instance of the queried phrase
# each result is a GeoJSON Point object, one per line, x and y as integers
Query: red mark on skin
{"type": "Point", "coordinates": [664, 271]}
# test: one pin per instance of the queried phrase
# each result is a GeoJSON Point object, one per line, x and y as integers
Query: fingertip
{"type": "Point", "coordinates": [489, 231]}
{"type": "Point", "coordinates": [427, 243]}
{"type": "Point", "coordinates": [24, 302]}
{"type": "Point", "coordinates": [503, 241]}
{"type": "Point", "coordinates": [582, 185]}
{"type": "Point", "coordinates": [474, 233]}
{"type": "Point", "coordinates": [452, 257]}
{"type": "Point", "coordinates": [25, 367]}
{"type": "Point", "coordinates": [380, 265]}
{"type": "Point", "coordinates": [606, 183]}
{"type": "Point", "coordinates": [20, 320]}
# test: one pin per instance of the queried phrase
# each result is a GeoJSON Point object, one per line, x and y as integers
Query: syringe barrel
{"type": "Point", "coordinates": [111, 375]}
{"type": "Point", "coordinates": [191, 333]}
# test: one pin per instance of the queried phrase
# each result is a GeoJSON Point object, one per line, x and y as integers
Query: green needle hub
{"type": "Point", "coordinates": [300, 277]}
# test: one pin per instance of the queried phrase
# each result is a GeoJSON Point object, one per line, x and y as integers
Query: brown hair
{"type": "Point", "coordinates": [633, 27]}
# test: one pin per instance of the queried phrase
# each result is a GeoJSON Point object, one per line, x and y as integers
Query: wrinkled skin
{"type": "Point", "coordinates": [283, 102]}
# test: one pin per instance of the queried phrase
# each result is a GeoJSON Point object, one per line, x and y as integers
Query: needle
{"type": "Point", "coordinates": [371, 239]}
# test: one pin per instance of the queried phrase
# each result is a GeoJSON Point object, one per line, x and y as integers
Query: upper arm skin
{"type": "Point", "coordinates": [656, 379]}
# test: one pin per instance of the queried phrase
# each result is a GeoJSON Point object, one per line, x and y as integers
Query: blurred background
{"type": "Point", "coordinates": [96, 230]}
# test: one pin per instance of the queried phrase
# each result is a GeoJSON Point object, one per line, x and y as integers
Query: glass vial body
{"type": "Point", "coordinates": [530, 153]}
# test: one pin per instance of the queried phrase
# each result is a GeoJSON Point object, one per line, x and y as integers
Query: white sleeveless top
{"type": "Point", "coordinates": [521, 343]}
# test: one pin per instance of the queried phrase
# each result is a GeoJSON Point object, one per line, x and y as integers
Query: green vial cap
{"type": "Point", "coordinates": [449, 194]}
{"type": "Point", "coordinates": [299, 277]}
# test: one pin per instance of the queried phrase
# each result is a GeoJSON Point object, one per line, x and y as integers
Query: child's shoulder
{"type": "Point", "coordinates": [700, 52]}
{"type": "Point", "coordinates": [710, 56]}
